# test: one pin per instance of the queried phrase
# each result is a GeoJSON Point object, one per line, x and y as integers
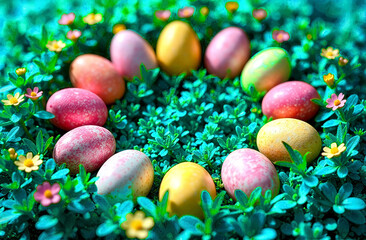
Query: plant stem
{"type": "Point", "coordinates": [26, 130]}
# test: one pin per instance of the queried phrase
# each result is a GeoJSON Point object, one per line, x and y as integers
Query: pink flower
{"type": "Point", "coordinates": [162, 15]}
{"type": "Point", "coordinates": [185, 12]}
{"type": "Point", "coordinates": [259, 14]}
{"type": "Point", "coordinates": [73, 35]}
{"type": "Point", "coordinates": [335, 101]}
{"type": "Point", "coordinates": [67, 19]}
{"type": "Point", "coordinates": [47, 194]}
{"type": "Point", "coordinates": [280, 36]}
{"type": "Point", "coordinates": [33, 94]}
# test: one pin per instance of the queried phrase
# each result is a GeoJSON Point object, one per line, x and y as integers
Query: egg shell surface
{"type": "Point", "coordinates": [291, 100]}
{"type": "Point", "coordinates": [178, 49]}
{"type": "Point", "coordinates": [227, 53]}
{"type": "Point", "coordinates": [128, 51]}
{"type": "Point", "coordinates": [88, 145]}
{"type": "Point", "coordinates": [247, 169]}
{"type": "Point", "coordinates": [298, 134]}
{"type": "Point", "coordinates": [266, 69]}
{"type": "Point", "coordinates": [185, 182]}
{"type": "Point", "coordinates": [75, 107]}
{"type": "Point", "coordinates": [126, 175]}
{"type": "Point", "coordinates": [98, 75]}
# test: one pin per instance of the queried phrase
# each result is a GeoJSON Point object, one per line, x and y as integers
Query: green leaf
{"type": "Point", "coordinates": [11, 134]}
{"type": "Point", "coordinates": [352, 144]}
{"type": "Point", "coordinates": [241, 197]}
{"type": "Point", "coordinates": [30, 145]}
{"type": "Point", "coordinates": [8, 216]}
{"type": "Point", "coordinates": [285, 204]}
{"type": "Point", "coordinates": [294, 154]}
{"type": "Point", "coordinates": [353, 203]}
{"type": "Point", "coordinates": [39, 142]}
{"type": "Point", "coordinates": [46, 222]}
{"type": "Point", "coordinates": [16, 117]}
{"type": "Point", "coordinates": [189, 223]}
{"type": "Point", "coordinates": [44, 115]}
{"type": "Point", "coordinates": [60, 174]}
{"type": "Point", "coordinates": [106, 228]}
{"type": "Point", "coordinates": [311, 181]}
{"type": "Point", "coordinates": [331, 123]}
{"type": "Point", "coordinates": [342, 172]}
{"type": "Point", "coordinates": [322, 116]}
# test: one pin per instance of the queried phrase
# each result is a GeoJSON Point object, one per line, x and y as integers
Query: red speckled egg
{"type": "Point", "coordinates": [75, 107]}
{"type": "Point", "coordinates": [247, 169]}
{"type": "Point", "coordinates": [97, 74]}
{"type": "Point", "coordinates": [88, 145]}
{"type": "Point", "coordinates": [227, 53]}
{"type": "Point", "coordinates": [126, 175]}
{"type": "Point", "coordinates": [128, 51]}
{"type": "Point", "coordinates": [291, 100]}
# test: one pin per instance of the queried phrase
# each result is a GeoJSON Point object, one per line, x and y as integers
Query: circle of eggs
{"type": "Point", "coordinates": [88, 145]}
{"type": "Point", "coordinates": [126, 175]}
{"type": "Point", "coordinates": [75, 107]}
{"type": "Point", "coordinates": [247, 169]}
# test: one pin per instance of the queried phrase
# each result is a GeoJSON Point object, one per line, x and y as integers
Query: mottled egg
{"type": "Point", "coordinates": [88, 145]}
{"type": "Point", "coordinates": [291, 100]}
{"type": "Point", "coordinates": [298, 134]}
{"type": "Point", "coordinates": [185, 183]}
{"type": "Point", "coordinates": [227, 53]}
{"type": "Point", "coordinates": [75, 107]}
{"type": "Point", "coordinates": [178, 49]}
{"type": "Point", "coordinates": [98, 75]}
{"type": "Point", "coordinates": [126, 175]}
{"type": "Point", "coordinates": [266, 69]}
{"type": "Point", "coordinates": [128, 51]}
{"type": "Point", "coordinates": [246, 169]}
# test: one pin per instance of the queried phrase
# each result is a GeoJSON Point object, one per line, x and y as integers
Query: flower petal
{"type": "Point", "coordinates": [55, 188]}
{"type": "Point", "coordinates": [9, 96]}
{"type": "Point", "coordinates": [340, 96]}
{"type": "Point", "coordinates": [148, 223]}
{"type": "Point", "coordinates": [56, 198]}
{"type": "Point", "coordinates": [333, 145]}
{"type": "Point", "coordinates": [46, 185]}
{"type": "Point", "coordinates": [334, 97]}
{"type": "Point", "coordinates": [35, 89]}
{"type": "Point", "coordinates": [29, 91]}
{"type": "Point", "coordinates": [326, 149]}
{"type": "Point", "coordinates": [46, 202]}
{"type": "Point", "coordinates": [38, 196]}
{"type": "Point", "coordinates": [17, 95]}
{"type": "Point", "coordinates": [29, 155]}
{"type": "Point", "coordinates": [142, 234]}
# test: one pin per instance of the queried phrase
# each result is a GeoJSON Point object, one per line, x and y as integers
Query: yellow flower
{"type": "Point", "coordinates": [329, 79]}
{"type": "Point", "coordinates": [20, 71]}
{"type": "Point", "coordinates": [137, 226]}
{"type": "Point", "coordinates": [205, 11]}
{"type": "Point", "coordinates": [28, 163]}
{"type": "Point", "coordinates": [12, 153]}
{"type": "Point", "coordinates": [55, 46]}
{"type": "Point", "coordinates": [118, 27]}
{"type": "Point", "coordinates": [333, 151]}
{"type": "Point", "coordinates": [93, 18]}
{"type": "Point", "coordinates": [13, 100]}
{"type": "Point", "coordinates": [330, 53]}
{"type": "Point", "coordinates": [231, 7]}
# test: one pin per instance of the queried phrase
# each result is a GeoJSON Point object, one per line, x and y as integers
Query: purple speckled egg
{"type": "Point", "coordinates": [88, 145]}
{"type": "Point", "coordinates": [227, 53]}
{"type": "Point", "coordinates": [291, 100]}
{"type": "Point", "coordinates": [128, 51]}
{"type": "Point", "coordinates": [126, 175]}
{"type": "Point", "coordinates": [75, 107]}
{"type": "Point", "coordinates": [247, 169]}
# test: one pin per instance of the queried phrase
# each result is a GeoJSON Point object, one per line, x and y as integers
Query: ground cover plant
{"type": "Point", "coordinates": [197, 118]}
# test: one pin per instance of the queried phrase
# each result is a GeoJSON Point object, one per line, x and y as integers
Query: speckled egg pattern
{"type": "Point", "coordinates": [126, 175]}
{"type": "Point", "coordinates": [298, 134]}
{"type": "Point", "coordinates": [88, 145]}
{"type": "Point", "coordinates": [75, 107]}
{"type": "Point", "coordinates": [247, 169]}
{"type": "Point", "coordinates": [291, 100]}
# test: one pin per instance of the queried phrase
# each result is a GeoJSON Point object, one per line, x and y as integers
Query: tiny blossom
{"type": "Point", "coordinates": [47, 194]}
{"type": "Point", "coordinates": [280, 36]}
{"type": "Point", "coordinates": [137, 225]}
{"type": "Point", "coordinates": [20, 71]}
{"type": "Point", "coordinates": [335, 101]}
{"type": "Point", "coordinates": [204, 11]}
{"type": "Point", "coordinates": [67, 19]}
{"type": "Point", "coordinates": [55, 46]}
{"type": "Point", "coordinates": [73, 35]}
{"type": "Point", "coordinates": [13, 100]}
{"type": "Point", "coordinates": [329, 79]}
{"type": "Point", "coordinates": [186, 12]}
{"type": "Point", "coordinates": [162, 15]}
{"type": "Point", "coordinates": [259, 14]}
{"type": "Point", "coordinates": [93, 18]}
{"type": "Point", "coordinates": [342, 61]}
{"type": "Point", "coordinates": [330, 53]}
{"type": "Point", "coordinates": [309, 36]}
{"type": "Point", "coordinates": [28, 163]}
{"type": "Point", "coordinates": [33, 94]}
{"type": "Point", "coordinates": [12, 153]}
{"type": "Point", "coordinates": [118, 28]}
{"type": "Point", "coordinates": [334, 150]}
{"type": "Point", "coordinates": [231, 7]}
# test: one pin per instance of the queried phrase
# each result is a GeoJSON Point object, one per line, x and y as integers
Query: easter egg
{"type": "Point", "coordinates": [266, 69]}
{"type": "Point", "coordinates": [178, 49]}
{"type": "Point", "coordinates": [98, 75]}
{"type": "Point", "coordinates": [246, 169]}
{"type": "Point", "coordinates": [126, 175]}
{"type": "Point", "coordinates": [298, 134]}
{"type": "Point", "coordinates": [291, 100]}
{"type": "Point", "coordinates": [227, 53]}
{"type": "Point", "coordinates": [128, 51]}
{"type": "Point", "coordinates": [75, 107]}
{"type": "Point", "coordinates": [185, 182]}
{"type": "Point", "coordinates": [88, 145]}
